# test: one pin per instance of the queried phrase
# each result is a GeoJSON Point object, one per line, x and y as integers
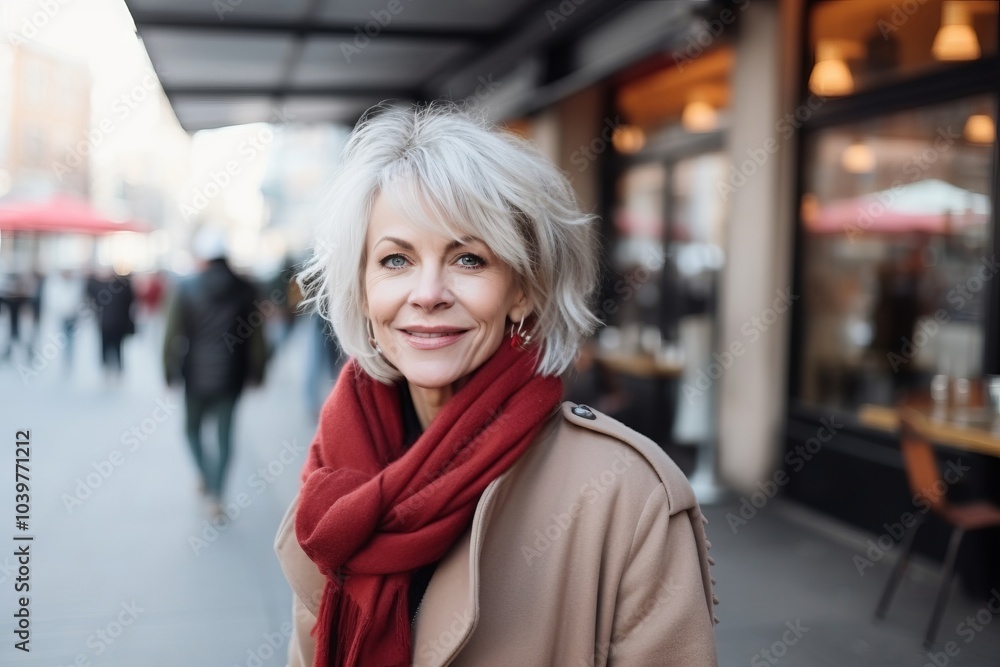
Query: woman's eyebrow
{"type": "Point", "coordinates": [406, 245]}
{"type": "Point", "coordinates": [465, 240]}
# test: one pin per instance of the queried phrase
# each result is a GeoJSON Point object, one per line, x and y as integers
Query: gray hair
{"type": "Point", "coordinates": [455, 175]}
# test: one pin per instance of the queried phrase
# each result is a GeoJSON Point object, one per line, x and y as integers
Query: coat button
{"type": "Point", "coordinates": [584, 411]}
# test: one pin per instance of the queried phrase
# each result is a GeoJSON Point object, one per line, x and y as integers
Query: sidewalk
{"type": "Point", "coordinates": [788, 585]}
{"type": "Point", "coordinates": [125, 569]}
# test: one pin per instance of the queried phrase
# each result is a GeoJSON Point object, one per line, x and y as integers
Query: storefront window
{"type": "Point", "coordinates": [860, 44]}
{"type": "Point", "coordinates": [897, 258]}
{"type": "Point", "coordinates": [696, 236]}
{"type": "Point", "coordinates": [669, 253]}
{"type": "Point", "coordinates": [669, 245]}
{"type": "Point", "coordinates": [638, 255]}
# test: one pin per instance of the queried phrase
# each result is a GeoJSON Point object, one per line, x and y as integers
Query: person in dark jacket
{"type": "Point", "coordinates": [214, 342]}
{"type": "Point", "coordinates": [112, 298]}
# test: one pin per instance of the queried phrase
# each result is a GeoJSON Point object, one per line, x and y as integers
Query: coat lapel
{"type": "Point", "coordinates": [450, 608]}
{"type": "Point", "coordinates": [303, 576]}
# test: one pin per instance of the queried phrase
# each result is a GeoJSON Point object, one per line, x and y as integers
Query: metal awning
{"type": "Point", "coordinates": [226, 62]}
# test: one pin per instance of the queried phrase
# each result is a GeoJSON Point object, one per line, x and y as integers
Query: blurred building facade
{"type": "Point", "coordinates": [65, 133]}
{"type": "Point", "coordinates": [798, 205]}
{"type": "Point", "coordinates": [44, 106]}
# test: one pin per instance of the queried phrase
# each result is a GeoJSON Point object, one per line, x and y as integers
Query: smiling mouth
{"type": "Point", "coordinates": [439, 334]}
{"type": "Point", "coordinates": [432, 340]}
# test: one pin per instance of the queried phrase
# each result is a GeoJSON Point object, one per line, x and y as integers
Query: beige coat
{"type": "Point", "coordinates": [589, 551]}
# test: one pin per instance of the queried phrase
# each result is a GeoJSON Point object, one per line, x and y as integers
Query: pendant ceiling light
{"type": "Point", "coordinates": [858, 158]}
{"type": "Point", "coordinates": [980, 129]}
{"type": "Point", "coordinates": [830, 75]}
{"type": "Point", "coordinates": [699, 116]}
{"type": "Point", "coordinates": [628, 139]}
{"type": "Point", "coordinates": [955, 39]}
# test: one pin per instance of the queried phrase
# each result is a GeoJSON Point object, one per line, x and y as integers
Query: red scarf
{"type": "Point", "coordinates": [370, 514]}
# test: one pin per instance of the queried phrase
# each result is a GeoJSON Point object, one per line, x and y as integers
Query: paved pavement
{"type": "Point", "coordinates": [125, 568]}
{"type": "Point", "coordinates": [126, 572]}
{"type": "Point", "coordinates": [788, 585]}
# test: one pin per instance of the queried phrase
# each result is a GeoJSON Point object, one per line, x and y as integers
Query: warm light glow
{"type": "Point", "coordinates": [955, 40]}
{"type": "Point", "coordinates": [628, 139]}
{"type": "Point", "coordinates": [699, 116]}
{"type": "Point", "coordinates": [979, 129]}
{"type": "Point", "coordinates": [810, 207]}
{"type": "Point", "coordinates": [858, 158]}
{"type": "Point", "coordinates": [830, 74]}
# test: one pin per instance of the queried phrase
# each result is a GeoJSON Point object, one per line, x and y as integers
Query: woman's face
{"type": "Point", "coordinates": [438, 307]}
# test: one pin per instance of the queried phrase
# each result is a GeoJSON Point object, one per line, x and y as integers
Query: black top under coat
{"type": "Point", "coordinates": [411, 431]}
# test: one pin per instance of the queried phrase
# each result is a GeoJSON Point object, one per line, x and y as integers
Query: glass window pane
{"type": "Point", "coordinates": [861, 44]}
{"type": "Point", "coordinates": [638, 253]}
{"type": "Point", "coordinates": [696, 240]}
{"type": "Point", "coordinates": [896, 252]}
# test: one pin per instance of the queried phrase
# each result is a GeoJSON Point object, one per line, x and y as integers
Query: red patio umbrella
{"type": "Point", "coordinates": [60, 215]}
{"type": "Point", "coordinates": [931, 206]}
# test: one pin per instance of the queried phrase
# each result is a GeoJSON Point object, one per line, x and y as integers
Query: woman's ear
{"type": "Point", "coordinates": [522, 306]}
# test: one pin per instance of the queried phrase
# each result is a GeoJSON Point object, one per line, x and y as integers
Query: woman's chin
{"type": "Point", "coordinates": [439, 369]}
{"type": "Point", "coordinates": [430, 375]}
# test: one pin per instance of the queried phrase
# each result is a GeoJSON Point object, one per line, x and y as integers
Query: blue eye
{"type": "Point", "coordinates": [476, 259]}
{"type": "Point", "coordinates": [390, 262]}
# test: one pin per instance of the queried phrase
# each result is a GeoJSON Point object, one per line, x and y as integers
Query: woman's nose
{"type": "Point", "coordinates": [431, 289]}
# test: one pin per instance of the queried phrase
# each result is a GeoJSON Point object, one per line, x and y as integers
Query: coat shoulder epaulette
{"type": "Point", "coordinates": [680, 495]}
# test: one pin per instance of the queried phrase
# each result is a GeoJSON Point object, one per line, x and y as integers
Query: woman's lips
{"type": "Point", "coordinates": [431, 341]}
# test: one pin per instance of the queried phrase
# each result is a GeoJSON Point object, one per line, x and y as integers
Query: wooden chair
{"type": "Point", "coordinates": [925, 482]}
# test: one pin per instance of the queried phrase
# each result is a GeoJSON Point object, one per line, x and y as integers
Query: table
{"type": "Point", "coordinates": [973, 427]}
{"type": "Point", "coordinates": [640, 365]}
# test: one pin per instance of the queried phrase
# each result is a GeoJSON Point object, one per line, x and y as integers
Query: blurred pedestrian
{"type": "Point", "coordinates": [448, 479]}
{"type": "Point", "coordinates": [114, 301]}
{"type": "Point", "coordinates": [64, 295]}
{"type": "Point", "coordinates": [22, 296]}
{"type": "Point", "coordinates": [280, 327]}
{"type": "Point", "coordinates": [151, 295]}
{"type": "Point", "coordinates": [323, 362]}
{"type": "Point", "coordinates": [212, 346]}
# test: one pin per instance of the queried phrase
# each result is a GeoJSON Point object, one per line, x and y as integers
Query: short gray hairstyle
{"type": "Point", "coordinates": [452, 173]}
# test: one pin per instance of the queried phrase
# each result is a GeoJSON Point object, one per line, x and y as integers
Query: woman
{"type": "Point", "coordinates": [452, 510]}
